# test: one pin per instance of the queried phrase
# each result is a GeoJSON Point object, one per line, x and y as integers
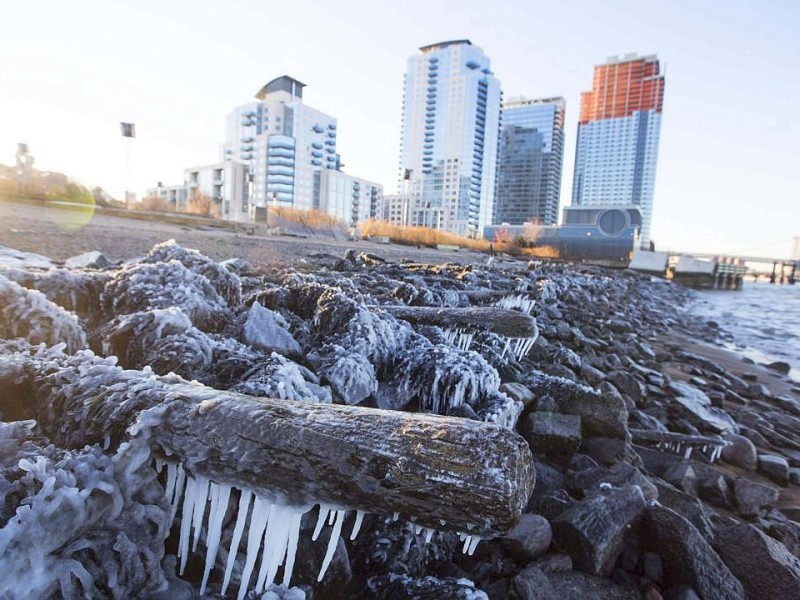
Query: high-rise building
{"type": "Point", "coordinates": [618, 133]}
{"type": "Point", "coordinates": [529, 161]}
{"type": "Point", "coordinates": [350, 199]}
{"type": "Point", "coordinates": [448, 153]}
{"type": "Point", "coordinates": [284, 143]}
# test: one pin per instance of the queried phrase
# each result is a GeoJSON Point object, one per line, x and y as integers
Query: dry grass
{"type": "Point", "coordinates": [154, 203]}
{"type": "Point", "coordinates": [203, 205]}
{"type": "Point", "coordinates": [425, 236]}
{"type": "Point", "coordinates": [309, 218]}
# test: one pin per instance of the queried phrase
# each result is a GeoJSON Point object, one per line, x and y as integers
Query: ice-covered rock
{"type": "Point", "coordinates": [162, 285]}
{"type": "Point", "coordinates": [29, 314]}
{"type": "Point", "coordinates": [277, 377]}
{"type": "Point", "coordinates": [268, 331]}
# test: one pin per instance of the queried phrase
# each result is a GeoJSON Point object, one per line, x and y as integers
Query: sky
{"type": "Point", "coordinates": [728, 176]}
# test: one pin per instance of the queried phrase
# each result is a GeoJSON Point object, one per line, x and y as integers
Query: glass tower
{"type": "Point", "coordinates": [448, 153]}
{"type": "Point", "coordinates": [529, 162]}
{"type": "Point", "coordinates": [618, 133]}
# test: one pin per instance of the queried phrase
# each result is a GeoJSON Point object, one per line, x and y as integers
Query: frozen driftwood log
{"type": "Point", "coordinates": [449, 473]}
{"type": "Point", "coordinates": [510, 323]}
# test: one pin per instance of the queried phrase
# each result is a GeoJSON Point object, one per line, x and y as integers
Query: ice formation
{"type": "Point", "coordinates": [29, 314]}
{"type": "Point", "coordinates": [268, 331]}
{"type": "Point", "coordinates": [279, 377]}
{"type": "Point", "coordinates": [147, 286]}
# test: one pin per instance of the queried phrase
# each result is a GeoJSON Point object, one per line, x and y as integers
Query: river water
{"type": "Point", "coordinates": [764, 320]}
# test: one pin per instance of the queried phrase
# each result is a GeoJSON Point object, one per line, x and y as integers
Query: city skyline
{"type": "Point", "coordinates": [727, 147]}
{"type": "Point", "coordinates": [618, 137]}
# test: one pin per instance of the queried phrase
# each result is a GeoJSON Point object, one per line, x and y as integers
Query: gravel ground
{"type": "Point", "coordinates": [60, 234]}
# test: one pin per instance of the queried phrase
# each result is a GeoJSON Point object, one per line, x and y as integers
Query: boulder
{"type": "Point", "coordinates": [688, 558]}
{"type": "Point", "coordinates": [775, 468]}
{"type": "Point", "coordinates": [88, 260]}
{"type": "Point", "coordinates": [741, 453]}
{"type": "Point", "coordinates": [692, 404]}
{"type": "Point", "coordinates": [687, 506]}
{"type": "Point", "coordinates": [753, 498]}
{"type": "Point", "coordinates": [529, 539]}
{"type": "Point", "coordinates": [594, 531]}
{"type": "Point", "coordinates": [585, 481]}
{"type": "Point", "coordinates": [780, 366]}
{"type": "Point", "coordinates": [575, 585]}
{"type": "Point", "coordinates": [518, 392]}
{"type": "Point", "coordinates": [601, 414]}
{"type": "Point", "coordinates": [531, 584]}
{"type": "Point", "coordinates": [554, 435]}
{"type": "Point", "coordinates": [764, 566]}
{"type": "Point", "coordinates": [627, 384]}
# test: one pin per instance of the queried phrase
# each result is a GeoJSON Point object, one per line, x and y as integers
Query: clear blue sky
{"type": "Point", "coordinates": [727, 176]}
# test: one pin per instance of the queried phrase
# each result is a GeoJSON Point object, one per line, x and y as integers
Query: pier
{"type": "Point", "coordinates": [713, 271]}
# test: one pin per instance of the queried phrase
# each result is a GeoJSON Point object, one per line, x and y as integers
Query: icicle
{"type": "Point", "coordinates": [428, 535]}
{"type": "Point", "coordinates": [417, 529]}
{"type": "Point", "coordinates": [169, 488]}
{"type": "Point", "coordinates": [332, 543]}
{"type": "Point", "coordinates": [357, 524]}
{"type": "Point", "coordinates": [473, 544]}
{"type": "Point", "coordinates": [395, 516]}
{"type": "Point", "coordinates": [274, 547]}
{"type": "Point", "coordinates": [688, 453]}
{"type": "Point", "coordinates": [186, 521]}
{"type": "Point", "coordinates": [180, 482]}
{"type": "Point", "coordinates": [467, 542]}
{"type": "Point", "coordinates": [331, 517]}
{"type": "Point", "coordinates": [258, 521]}
{"type": "Point", "coordinates": [324, 509]}
{"type": "Point", "coordinates": [291, 551]}
{"type": "Point", "coordinates": [159, 464]}
{"type": "Point", "coordinates": [505, 348]}
{"type": "Point", "coordinates": [443, 522]}
{"type": "Point", "coordinates": [199, 510]}
{"type": "Point", "coordinates": [221, 495]}
{"type": "Point", "coordinates": [241, 519]}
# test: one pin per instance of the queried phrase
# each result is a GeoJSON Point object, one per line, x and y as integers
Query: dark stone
{"type": "Point", "coordinates": [753, 498]}
{"type": "Point", "coordinates": [587, 481]}
{"type": "Point", "coordinates": [531, 584]}
{"type": "Point", "coordinates": [691, 403]}
{"type": "Point", "coordinates": [794, 476]}
{"type": "Point", "coordinates": [653, 566]}
{"type": "Point", "coordinates": [687, 557]}
{"type": "Point", "coordinates": [548, 479]}
{"type": "Point", "coordinates": [687, 506]}
{"type": "Point", "coordinates": [627, 384]}
{"type": "Point", "coordinates": [780, 367]}
{"type": "Point", "coordinates": [594, 531]}
{"type": "Point", "coordinates": [591, 375]}
{"type": "Point", "coordinates": [553, 504]}
{"type": "Point", "coordinates": [712, 487]}
{"type": "Point", "coordinates": [601, 414]}
{"type": "Point", "coordinates": [554, 435]}
{"type": "Point", "coordinates": [608, 451]}
{"type": "Point", "coordinates": [554, 563]}
{"type": "Point", "coordinates": [775, 468]}
{"type": "Point", "coordinates": [519, 392]}
{"type": "Point", "coordinates": [580, 586]}
{"type": "Point", "coordinates": [681, 592]}
{"type": "Point", "coordinates": [530, 538]}
{"type": "Point", "coordinates": [764, 566]}
{"type": "Point", "coordinates": [498, 590]}
{"type": "Point", "coordinates": [741, 453]}
{"type": "Point", "coordinates": [683, 477]}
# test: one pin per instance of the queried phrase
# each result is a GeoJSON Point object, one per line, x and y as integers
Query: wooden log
{"type": "Point", "coordinates": [510, 323]}
{"type": "Point", "coordinates": [449, 473]}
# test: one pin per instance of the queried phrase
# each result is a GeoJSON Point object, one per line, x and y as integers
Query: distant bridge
{"type": "Point", "coordinates": [728, 263]}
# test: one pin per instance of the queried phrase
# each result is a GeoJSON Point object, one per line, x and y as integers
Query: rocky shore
{"type": "Point", "coordinates": [664, 466]}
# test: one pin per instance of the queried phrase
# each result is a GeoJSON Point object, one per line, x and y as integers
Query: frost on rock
{"type": "Point", "coordinates": [498, 408]}
{"type": "Point", "coordinates": [350, 375]}
{"type": "Point", "coordinates": [225, 281]}
{"type": "Point", "coordinates": [30, 315]}
{"type": "Point", "coordinates": [99, 521]}
{"type": "Point", "coordinates": [398, 586]}
{"type": "Point", "coordinates": [441, 378]}
{"type": "Point", "coordinates": [268, 331]}
{"type": "Point", "coordinates": [77, 291]}
{"type": "Point", "coordinates": [348, 323]}
{"type": "Point", "coordinates": [163, 285]}
{"type": "Point", "coordinates": [277, 377]}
